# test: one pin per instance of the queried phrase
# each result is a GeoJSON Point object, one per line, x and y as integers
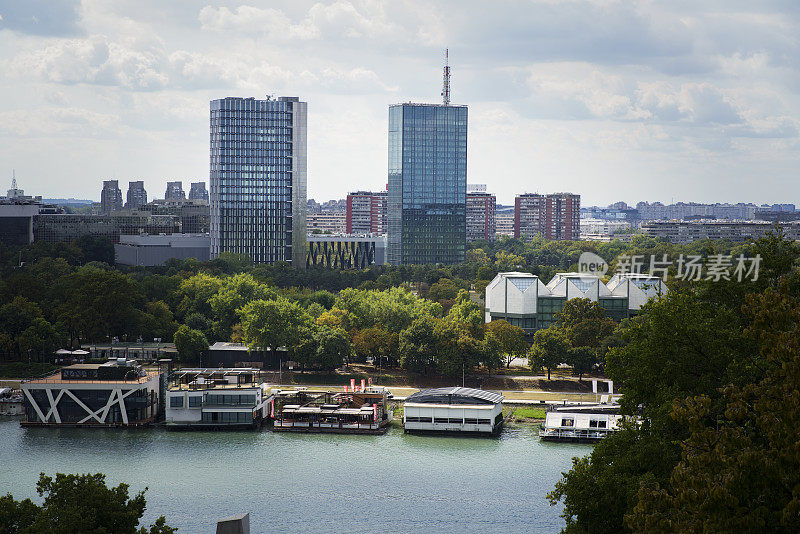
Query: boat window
{"type": "Point", "coordinates": [425, 420]}
{"type": "Point", "coordinates": [456, 421]}
{"type": "Point", "coordinates": [567, 422]}
{"type": "Point", "coordinates": [440, 420]}
{"type": "Point", "coordinates": [412, 419]}
{"type": "Point", "coordinates": [470, 421]}
{"type": "Point", "coordinates": [484, 421]}
{"type": "Point", "coordinates": [176, 402]}
{"type": "Point", "coordinates": [593, 423]}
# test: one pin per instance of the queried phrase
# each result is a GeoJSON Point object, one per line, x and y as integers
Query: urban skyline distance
{"type": "Point", "coordinates": [673, 105]}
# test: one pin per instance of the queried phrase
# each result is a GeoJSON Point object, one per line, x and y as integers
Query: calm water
{"type": "Point", "coordinates": [308, 482]}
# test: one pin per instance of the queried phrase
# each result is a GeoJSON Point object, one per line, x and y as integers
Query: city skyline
{"type": "Point", "coordinates": [683, 103]}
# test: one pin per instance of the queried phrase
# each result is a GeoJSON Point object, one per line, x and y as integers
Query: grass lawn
{"type": "Point", "coordinates": [529, 413]}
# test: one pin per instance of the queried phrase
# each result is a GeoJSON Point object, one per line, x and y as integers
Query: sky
{"type": "Point", "coordinates": [627, 100]}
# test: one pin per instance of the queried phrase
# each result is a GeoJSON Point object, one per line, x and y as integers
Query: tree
{"type": "Point", "coordinates": [457, 351]}
{"type": "Point", "coordinates": [333, 318]}
{"type": "Point", "coordinates": [739, 471]}
{"type": "Point", "coordinates": [234, 292]}
{"type": "Point", "coordinates": [507, 261]}
{"type": "Point", "coordinates": [270, 324]}
{"type": "Point", "coordinates": [100, 249]}
{"type": "Point", "coordinates": [582, 360]}
{"type": "Point", "coordinates": [333, 347]}
{"type": "Point", "coordinates": [511, 339]}
{"type": "Point", "coordinates": [78, 503]}
{"type": "Point", "coordinates": [418, 344]}
{"type": "Point", "coordinates": [190, 344]}
{"type": "Point", "coordinates": [550, 349]}
{"type": "Point", "coordinates": [40, 338]}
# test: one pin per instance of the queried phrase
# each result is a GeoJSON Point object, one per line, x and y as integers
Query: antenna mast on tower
{"type": "Point", "coordinates": [446, 81]}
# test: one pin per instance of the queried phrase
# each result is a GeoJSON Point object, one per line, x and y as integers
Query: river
{"type": "Point", "coordinates": [307, 482]}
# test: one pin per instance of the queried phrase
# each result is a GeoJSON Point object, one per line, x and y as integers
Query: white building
{"type": "Point", "coordinates": [216, 398]}
{"type": "Point", "coordinates": [453, 409]}
{"type": "Point", "coordinates": [524, 300]}
{"type": "Point", "coordinates": [601, 229]}
{"type": "Point", "coordinates": [117, 393]}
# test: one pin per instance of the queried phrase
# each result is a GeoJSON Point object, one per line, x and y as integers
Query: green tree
{"type": "Point", "coordinates": [511, 339]}
{"type": "Point", "coordinates": [582, 360]}
{"type": "Point", "coordinates": [418, 344]}
{"type": "Point", "coordinates": [550, 349]}
{"type": "Point", "coordinates": [457, 351]}
{"type": "Point", "coordinates": [270, 324]}
{"type": "Point", "coordinates": [190, 344]}
{"type": "Point", "coordinates": [507, 261]}
{"type": "Point", "coordinates": [78, 503]}
{"type": "Point", "coordinates": [234, 292]}
{"type": "Point", "coordinates": [740, 470]}
{"type": "Point", "coordinates": [333, 347]}
{"type": "Point", "coordinates": [40, 338]}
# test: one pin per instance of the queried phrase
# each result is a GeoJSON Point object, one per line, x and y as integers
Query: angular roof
{"type": "Point", "coordinates": [455, 395]}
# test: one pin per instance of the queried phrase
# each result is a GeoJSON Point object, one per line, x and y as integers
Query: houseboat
{"type": "Point", "coordinates": [11, 402]}
{"type": "Point", "coordinates": [588, 423]}
{"type": "Point", "coordinates": [216, 399]}
{"type": "Point", "coordinates": [119, 392]}
{"type": "Point", "coordinates": [356, 410]}
{"type": "Point", "coordinates": [453, 409]}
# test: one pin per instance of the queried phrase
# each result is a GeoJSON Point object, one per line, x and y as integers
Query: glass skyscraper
{"type": "Point", "coordinates": [258, 178]}
{"type": "Point", "coordinates": [426, 214]}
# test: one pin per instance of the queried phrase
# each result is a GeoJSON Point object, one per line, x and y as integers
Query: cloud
{"type": "Point", "coordinates": [41, 17]}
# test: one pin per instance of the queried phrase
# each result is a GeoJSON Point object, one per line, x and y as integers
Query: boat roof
{"type": "Point", "coordinates": [455, 395]}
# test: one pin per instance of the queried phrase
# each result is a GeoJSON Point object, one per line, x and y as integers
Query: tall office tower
{"type": "Point", "coordinates": [555, 217]}
{"type": "Point", "coordinates": [426, 215]}
{"type": "Point", "coordinates": [198, 191]}
{"type": "Point", "coordinates": [258, 178]}
{"type": "Point", "coordinates": [366, 212]}
{"type": "Point", "coordinates": [110, 196]}
{"type": "Point", "coordinates": [137, 196]}
{"type": "Point", "coordinates": [174, 191]}
{"type": "Point", "coordinates": [481, 207]}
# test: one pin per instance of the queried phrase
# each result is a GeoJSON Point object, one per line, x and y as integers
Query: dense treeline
{"type": "Point", "coordinates": [419, 317]}
{"type": "Point", "coordinates": [713, 372]}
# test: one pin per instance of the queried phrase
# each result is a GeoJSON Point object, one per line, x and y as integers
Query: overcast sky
{"type": "Point", "coordinates": [615, 100]}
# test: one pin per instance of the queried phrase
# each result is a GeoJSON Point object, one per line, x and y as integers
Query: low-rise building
{"type": "Point", "coordinates": [524, 300]}
{"type": "Point", "coordinates": [454, 409]}
{"type": "Point", "coordinates": [216, 399]}
{"type": "Point", "coordinates": [150, 250]}
{"type": "Point", "coordinates": [116, 393]}
{"type": "Point", "coordinates": [346, 251]}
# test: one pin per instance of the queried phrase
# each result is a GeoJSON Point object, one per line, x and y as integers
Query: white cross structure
{"type": "Point", "coordinates": [92, 402]}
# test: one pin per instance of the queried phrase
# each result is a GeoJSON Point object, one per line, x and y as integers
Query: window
{"type": "Point", "coordinates": [195, 401]}
{"type": "Point", "coordinates": [484, 421]}
{"type": "Point", "coordinates": [567, 422]}
{"type": "Point", "coordinates": [412, 419]}
{"type": "Point", "coordinates": [425, 420]}
{"type": "Point", "coordinates": [596, 423]}
{"type": "Point", "coordinates": [456, 421]}
{"type": "Point", "coordinates": [469, 421]}
{"type": "Point", "coordinates": [176, 402]}
{"type": "Point", "coordinates": [441, 420]}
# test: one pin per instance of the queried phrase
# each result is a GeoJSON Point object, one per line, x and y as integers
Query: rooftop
{"type": "Point", "coordinates": [455, 395]}
{"type": "Point", "coordinates": [56, 378]}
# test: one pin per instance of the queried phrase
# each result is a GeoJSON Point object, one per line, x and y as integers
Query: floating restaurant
{"type": "Point", "coordinates": [217, 399]}
{"type": "Point", "coordinates": [586, 423]}
{"type": "Point", "coordinates": [453, 409]}
{"type": "Point", "coordinates": [356, 410]}
{"type": "Point", "coordinates": [119, 392]}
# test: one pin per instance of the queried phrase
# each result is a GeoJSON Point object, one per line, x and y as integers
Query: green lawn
{"type": "Point", "coordinates": [531, 413]}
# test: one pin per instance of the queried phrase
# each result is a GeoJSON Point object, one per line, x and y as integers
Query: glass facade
{"type": "Point", "coordinates": [427, 184]}
{"type": "Point", "coordinates": [258, 178]}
